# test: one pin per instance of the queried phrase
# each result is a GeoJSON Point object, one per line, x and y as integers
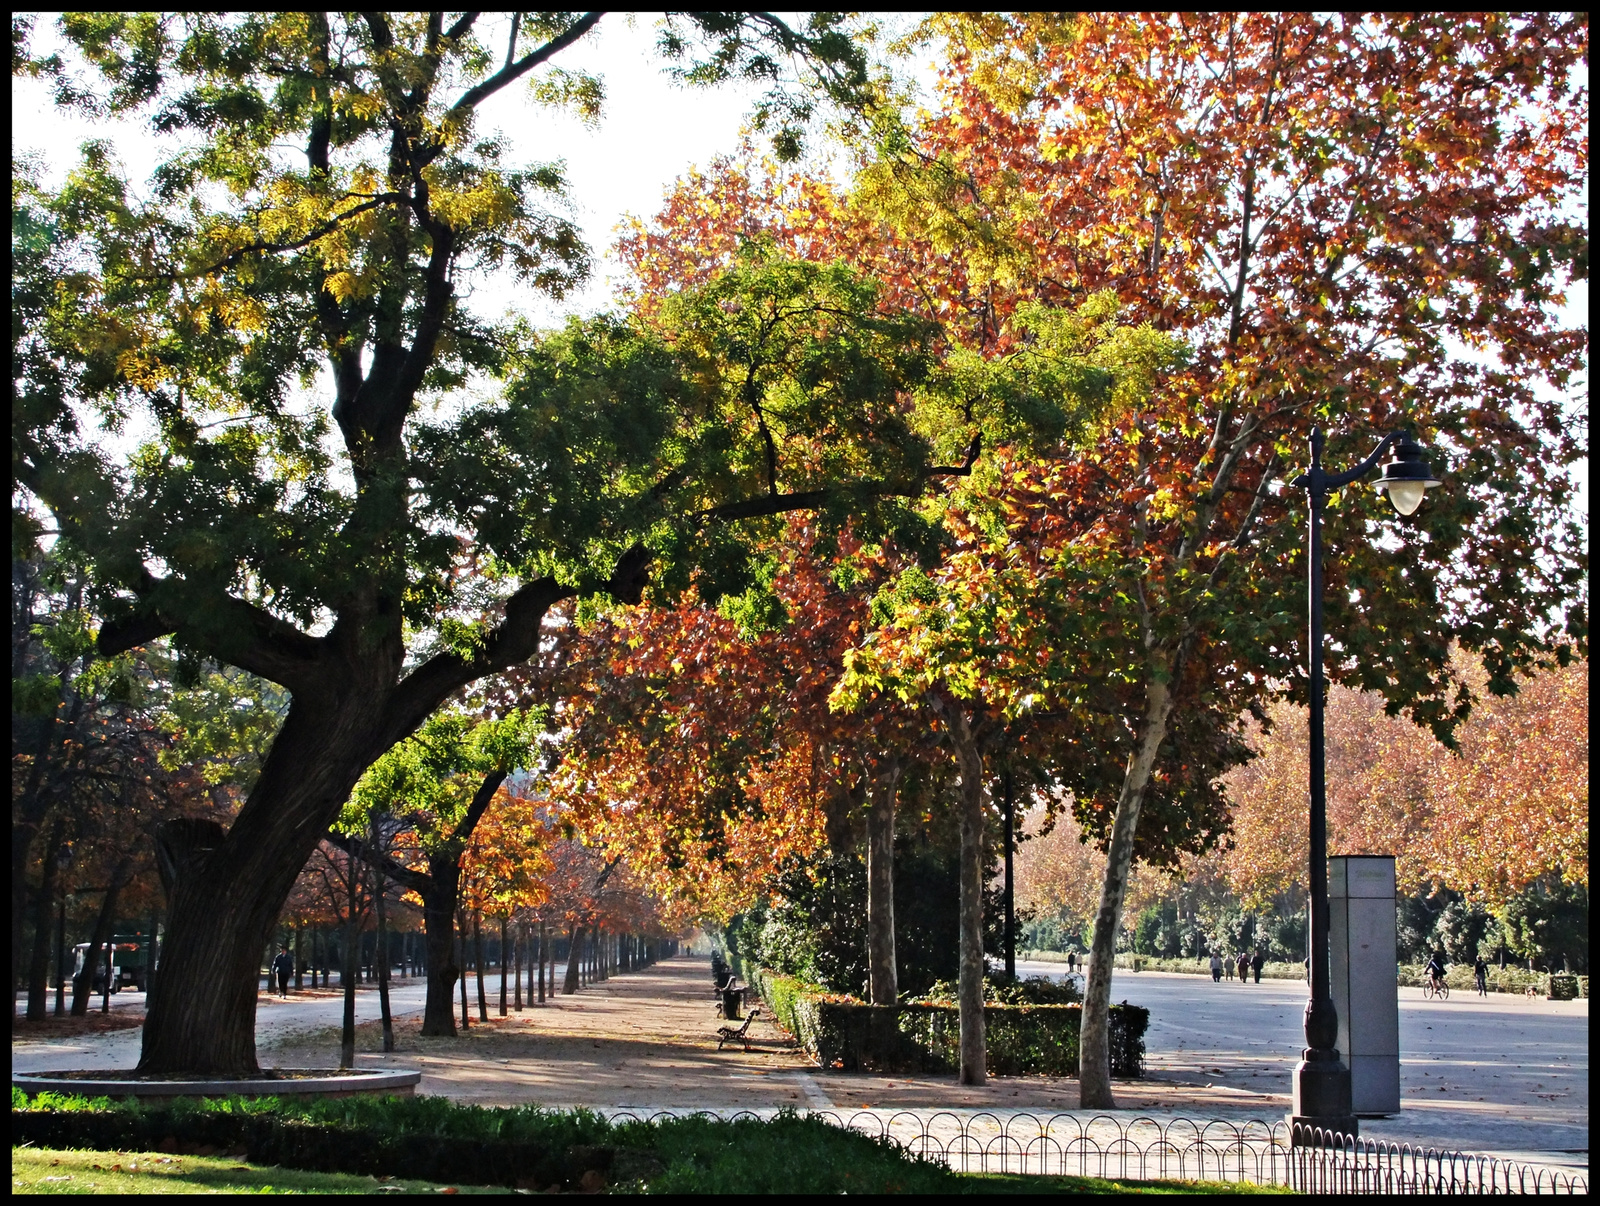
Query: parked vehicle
{"type": "Point", "coordinates": [129, 963]}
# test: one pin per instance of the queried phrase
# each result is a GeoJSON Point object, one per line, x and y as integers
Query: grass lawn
{"type": "Point", "coordinates": [40, 1170]}
{"type": "Point", "coordinates": [35, 1170]}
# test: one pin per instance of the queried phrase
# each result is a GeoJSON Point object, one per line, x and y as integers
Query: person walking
{"type": "Point", "coordinates": [1257, 963]}
{"type": "Point", "coordinates": [1216, 968]}
{"type": "Point", "coordinates": [281, 967]}
{"type": "Point", "coordinates": [1480, 976]}
{"type": "Point", "coordinates": [1244, 967]}
{"type": "Point", "coordinates": [1072, 961]}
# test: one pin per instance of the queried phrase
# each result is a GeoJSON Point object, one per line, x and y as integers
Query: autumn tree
{"type": "Point", "coordinates": [308, 543]}
{"type": "Point", "coordinates": [1503, 810]}
{"type": "Point", "coordinates": [702, 745]}
{"type": "Point", "coordinates": [1328, 209]}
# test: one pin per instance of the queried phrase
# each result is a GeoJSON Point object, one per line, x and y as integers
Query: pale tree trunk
{"type": "Point", "coordinates": [882, 972]}
{"type": "Point", "coordinates": [1094, 1041]}
{"type": "Point", "coordinates": [574, 958]}
{"type": "Point", "coordinates": [969, 761]}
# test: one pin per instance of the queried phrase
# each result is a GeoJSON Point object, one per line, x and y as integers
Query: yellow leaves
{"type": "Point", "coordinates": [357, 104]}
{"type": "Point", "coordinates": [343, 285]}
{"type": "Point", "coordinates": [142, 370]}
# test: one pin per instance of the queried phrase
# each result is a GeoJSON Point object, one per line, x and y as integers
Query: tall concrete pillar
{"type": "Point", "coordinates": [1362, 958]}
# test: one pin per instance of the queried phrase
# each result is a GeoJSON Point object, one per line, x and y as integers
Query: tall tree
{"type": "Point", "coordinates": [326, 547]}
{"type": "Point", "coordinates": [1329, 209]}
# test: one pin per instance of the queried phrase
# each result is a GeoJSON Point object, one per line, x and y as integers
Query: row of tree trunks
{"type": "Point", "coordinates": [39, 966]}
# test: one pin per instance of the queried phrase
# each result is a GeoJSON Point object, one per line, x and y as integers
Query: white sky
{"type": "Point", "coordinates": [652, 132]}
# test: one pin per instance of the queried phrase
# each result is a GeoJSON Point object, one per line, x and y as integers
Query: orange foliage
{"type": "Point", "coordinates": [1511, 807]}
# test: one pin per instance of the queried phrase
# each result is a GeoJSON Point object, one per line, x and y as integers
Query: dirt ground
{"type": "Point", "coordinates": [648, 1039]}
{"type": "Point", "coordinates": [67, 1026]}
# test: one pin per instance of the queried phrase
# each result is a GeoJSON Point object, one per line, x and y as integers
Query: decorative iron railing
{"type": "Point", "coordinates": [1185, 1149]}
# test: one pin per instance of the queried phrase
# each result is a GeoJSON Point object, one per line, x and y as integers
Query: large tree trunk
{"type": "Point", "coordinates": [227, 893]}
{"type": "Point", "coordinates": [882, 973]}
{"type": "Point", "coordinates": [574, 957]}
{"type": "Point", "coordinates": [1094, 1042]}
{"type": "Point", "coordinates": [969, 760]}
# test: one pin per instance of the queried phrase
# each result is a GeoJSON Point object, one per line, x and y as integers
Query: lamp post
{"type": "Point", "coordinates": [1321, 1079]}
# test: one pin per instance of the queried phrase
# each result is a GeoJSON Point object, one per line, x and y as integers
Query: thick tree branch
{"type": "Point", "coordinates": [480, 804]}
{"type": "Point", "coordinates": [235, 631]}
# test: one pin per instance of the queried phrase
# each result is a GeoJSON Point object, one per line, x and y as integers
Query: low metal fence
{"type": "Point", "coordinates": [1145, 1149]}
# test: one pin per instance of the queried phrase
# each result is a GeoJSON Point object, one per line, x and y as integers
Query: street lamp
{"type": "Point", "coordinates": [1321, 1079]}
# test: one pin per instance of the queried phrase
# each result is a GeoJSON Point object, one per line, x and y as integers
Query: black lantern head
{"type": "Point", "coordinates": [1406, 478]}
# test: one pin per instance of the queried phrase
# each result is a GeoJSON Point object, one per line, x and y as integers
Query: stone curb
{"type": "Point", "coordinates": [342, 1084]}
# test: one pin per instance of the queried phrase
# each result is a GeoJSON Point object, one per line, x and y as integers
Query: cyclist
{"type": "Point", "coordinates": [1480, 976]}
{"type": "Point", "coordinates": [1435, 971]}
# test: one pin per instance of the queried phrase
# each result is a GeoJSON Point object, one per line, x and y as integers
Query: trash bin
{"type": "Point", "coordinates": [732, 1000]}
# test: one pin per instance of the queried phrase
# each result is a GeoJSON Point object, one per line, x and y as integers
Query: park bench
{"type": "Point", "coordinates": [737, 1034]}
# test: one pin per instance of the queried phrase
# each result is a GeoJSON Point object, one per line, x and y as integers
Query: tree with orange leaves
{"type": "Point", "coordinates": [1505, 809]}
{"type": "Point", "coordinates": [1327, 208]}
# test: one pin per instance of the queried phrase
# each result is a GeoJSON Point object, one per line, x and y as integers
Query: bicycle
{"type": "Point", "coordinates": [1433, 990]}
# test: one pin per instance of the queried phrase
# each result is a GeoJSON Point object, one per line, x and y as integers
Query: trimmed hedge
{"type": "Point", "coordinates": [518, 1147]}
{"type": "Point", "coordinates": [381, 1137]}
{"type": "Point", "coordinates": [842, 1032]}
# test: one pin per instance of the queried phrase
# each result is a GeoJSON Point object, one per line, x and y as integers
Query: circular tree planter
{"type": "Point", "coordinates": [273, 1082]}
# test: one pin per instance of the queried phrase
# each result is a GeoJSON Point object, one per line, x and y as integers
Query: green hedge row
{"type": "Point", "coordinates": [324, 1145]}
{"type": "Point", "coordinates": [1501, 979]}
{"type": "Point", "coordinates": [842, 1032]}
{"type": "Point", "coordinates": [525, 1148]}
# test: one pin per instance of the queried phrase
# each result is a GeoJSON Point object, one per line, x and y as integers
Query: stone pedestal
{"type": "Point", "coordinates": [1361, 961]}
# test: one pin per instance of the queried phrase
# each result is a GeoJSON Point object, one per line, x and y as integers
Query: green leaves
{"type": "Point", "coordinates": [431, 777]}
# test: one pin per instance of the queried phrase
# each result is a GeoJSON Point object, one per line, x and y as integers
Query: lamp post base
{"type": "Point", "coordinates": [1321, 1101]}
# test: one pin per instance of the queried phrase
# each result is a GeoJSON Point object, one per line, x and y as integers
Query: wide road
{"type": "Point", "coordinates": [1495, 1073]}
